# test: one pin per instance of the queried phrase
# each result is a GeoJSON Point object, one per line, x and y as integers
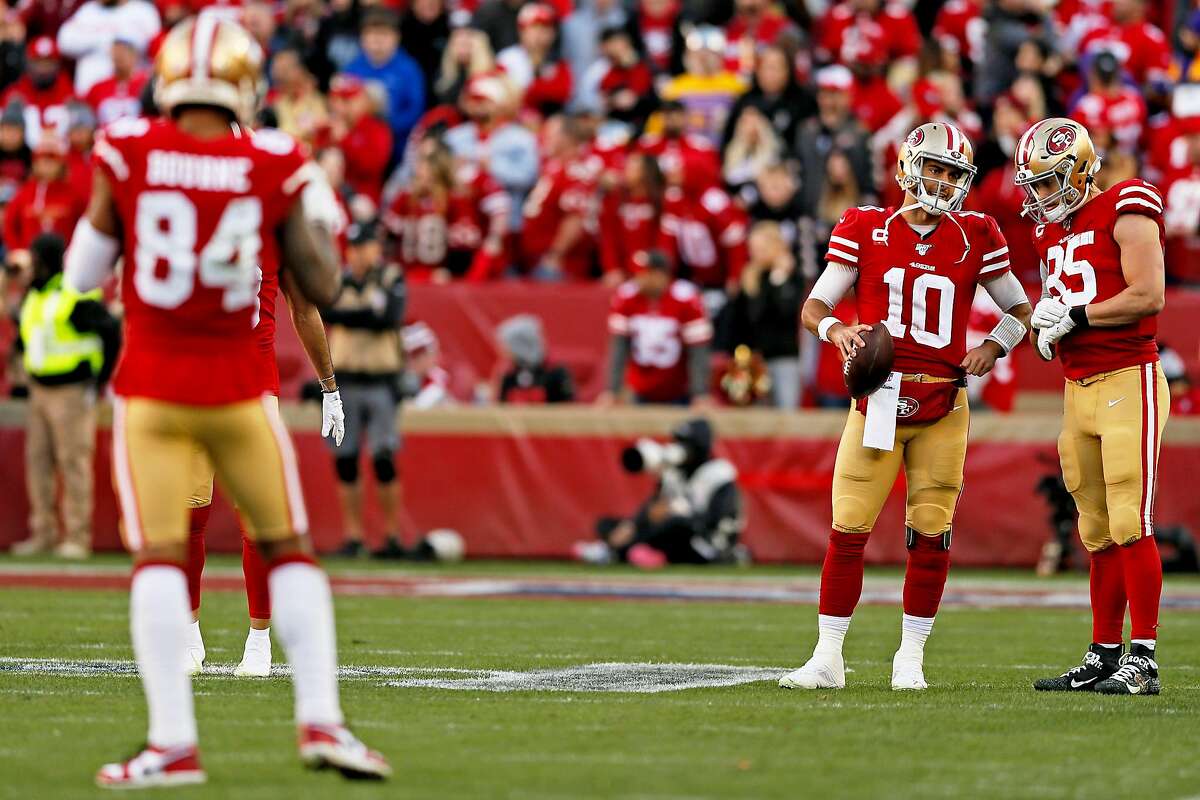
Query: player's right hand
{"type": "Point", "coordinates": [1048, 313]}
{"type": "Point", "coordinates": [846, 339]}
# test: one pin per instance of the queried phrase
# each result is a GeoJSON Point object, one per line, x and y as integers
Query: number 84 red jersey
{"type": "Point", "coordinates": [920, 286]}
{"type": "Point", "coordinates": [198, 220]}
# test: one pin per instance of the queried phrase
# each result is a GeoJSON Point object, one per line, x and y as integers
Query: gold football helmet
{"type": "Point", "coordinates": [210, 61]}
{"type": "Point", "coordinates": [943, 143]}
{"type": "Point", "coordinates": [1056, 164]}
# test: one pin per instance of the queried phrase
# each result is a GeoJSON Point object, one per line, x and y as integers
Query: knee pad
{"type": "Point", "coordinates": [911, 537]}
{"type": "Point", "coordinates": [850, 515]}
{"type": "Point", "coordinates": [931, 511]}
{"type": "Point", "coordinates": [347, 468]}
{"type": "Point", "coordinates": [385, 466]}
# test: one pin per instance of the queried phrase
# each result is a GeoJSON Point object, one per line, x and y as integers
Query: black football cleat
{"type": "Point", "coordinates": [1138, 674]}
{"type": "Point", "coordinates": [1098, 663]}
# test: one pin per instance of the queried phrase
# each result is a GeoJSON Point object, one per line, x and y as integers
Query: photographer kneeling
{"type": "Point", "coordinates": [694, 515]}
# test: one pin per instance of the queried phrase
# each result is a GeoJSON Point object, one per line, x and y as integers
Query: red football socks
{"type": "Point", "coordinates": [1143, 585]}
{"type": "Point", "coordinates": [194, 567]}
{"type": "Point", "coordinates": [254, 569]}
{"type": "Point", "coordinates": [842, 574]}
{"type": "Point", "coordinates": [925, 577]}
{"type": "Point", "coordinates": [1108, 595]}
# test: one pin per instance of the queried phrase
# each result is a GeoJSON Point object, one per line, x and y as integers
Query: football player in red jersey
{"type": "Point", "coordinates": [200, 207]}
{"type": "Point", "coordinates": [914, 269]}
{"type": "Point", "coordinates": [1102, 289]}
{"type": "Point", "coordinates": [660, 338]}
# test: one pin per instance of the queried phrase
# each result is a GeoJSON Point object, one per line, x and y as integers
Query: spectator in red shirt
{"type": "Point", "coordinates": [659, 350]}
{"type": "Point", "coordinates": [675, 145]}
{"type": "Point", "coordinates": [45, 203]}
{"type": "Point", "coordinates": [658, 22]}
{"type": "Point", "coordinates": [626, 84]}
{"type": "Point", "coordinates": [704, 232]}
{"type": "Point", "coordinates": [1110, 103]}
{"type": "Point", "coordinates": [1141, 47]}
{"type": "Point", "coordinates": [419, 217]}
{"type": "Point", "coordinates": [364, 138]}
{"type": "Point", "coordinates": [852, 28]}
{"type": "Point", "coordinates": [756, 24]}
{"type": "Point", "coordinates": [119, 97]}
{"type": "Point", "coordinates": [630, 218]}
{"type": "Point", "coordinates": [545, 80]}
{"type": "Point", "coordinates": [558, 237]}
{"type": "Point", "coordinates": [1181, 219]}
{"type": "Point", "coordinates": [44, 90]}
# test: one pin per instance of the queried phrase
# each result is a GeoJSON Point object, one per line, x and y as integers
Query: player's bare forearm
{"type": "Point", "coordinates": [310, 256]}
{"type": "Point", "coordinates": [569, 232]}
{"type": "Point", "coordinates": [102, 210]}
{"type": "Point", "coordinates": [1144, 271]}
{"type": "Point", "coordinates": [306, 319]}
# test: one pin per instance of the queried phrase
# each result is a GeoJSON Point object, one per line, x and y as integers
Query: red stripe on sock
{"type": "Point", "coordinates": [293, 558]}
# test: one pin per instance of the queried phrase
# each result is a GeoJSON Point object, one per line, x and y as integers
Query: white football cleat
{"type": "Point", "coordinates": [822, 671]}
{"type": "Point", "coordinates": [908, 673]}
{"type": "Point", "coordinates": [335, 747]}
{"type": "Point", "coordinates": [256, 659]}
{"type": "Point", "coordinates": [177, 766]}
{"type": "Point", "coordinates": [195, 652]}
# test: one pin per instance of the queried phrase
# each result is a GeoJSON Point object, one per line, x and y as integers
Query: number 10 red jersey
{"type": "Point", "coordinates": [198, 220]}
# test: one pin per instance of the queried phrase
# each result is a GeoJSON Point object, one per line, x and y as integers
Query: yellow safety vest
{"type": "Point", "coordinates": [52, 345]}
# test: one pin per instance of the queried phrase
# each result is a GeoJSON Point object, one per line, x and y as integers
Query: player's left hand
{"type": "Point", "coordinates": [1048, 337]}
{"type": "Point", "coordinates": [333, 419]}
{"type": "Point", "coordinates": [980, 360]}
{"type": "Point", "coordinates": [1049, 312]}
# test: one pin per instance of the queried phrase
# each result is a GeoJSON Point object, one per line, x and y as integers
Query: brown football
{"type": "Point", "coordinates": [869, 367]}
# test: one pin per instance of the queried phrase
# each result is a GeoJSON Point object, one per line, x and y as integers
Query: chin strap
{"type": "Point", "coordinates": [881, 234]}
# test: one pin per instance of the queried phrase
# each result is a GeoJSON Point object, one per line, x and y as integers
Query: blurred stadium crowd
{"type": "Point", "coordinates": [487, 140]}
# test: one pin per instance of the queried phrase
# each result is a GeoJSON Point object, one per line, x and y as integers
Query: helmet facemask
{"type": "Point", "coordinates": [1056, 205]}
{"type": "Point", "coordinates": [916, 183]}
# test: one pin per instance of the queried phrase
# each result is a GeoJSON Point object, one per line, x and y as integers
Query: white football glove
{"type": "Point", "coordinates": [1048, 337]}
{"type": "Point", "coordinates": [333, 419]}
{"type": "Point", "coordinates": [1049, 312]}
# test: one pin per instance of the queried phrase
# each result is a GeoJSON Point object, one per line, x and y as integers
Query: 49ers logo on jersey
{"type": "Point", "coordinates": [1060, 140]}
{"type": "Point", "coordinates": [906, 407]}
{"type": "Point", "coordinates": [916, 137]}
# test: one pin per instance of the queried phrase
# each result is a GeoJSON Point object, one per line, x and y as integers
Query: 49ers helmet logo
{"type": "Point", "coordinates": [1060, 139]}
{"type": "Point", "coordinates": [916, 137]}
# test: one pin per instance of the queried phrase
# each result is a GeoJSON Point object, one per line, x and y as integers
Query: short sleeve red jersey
{"type": "Point", "coordinates": [660, 329]}
{"type": "Point", "coordinates": [629, 225]}
{"type": "Point", "coordinates": [198, 220]}
{"type": "Point", "coordinates": [848, 36]}
{"type": "Point", "coordinates": [1140, 46]}
{"type": "Point", "coordinates": [116, 98]}
{"type": "Point", "coordinates": [1083, 265]}
{"type": "Point", "coordinates": [920, 286]}
{"type": "Point", "coordinates": [419, 222]}
{"type": "Point", "coordinates": [705, 234]}
{"type": "Point", "coordinates": [564, 190]}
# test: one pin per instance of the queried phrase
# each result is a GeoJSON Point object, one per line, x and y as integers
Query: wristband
{"type": "Point", "coordinates": [1079, 316]}
{"type": "Point", "coordinates": [824, 325]}
{"type": "Point", "coordinates": [328, 384]}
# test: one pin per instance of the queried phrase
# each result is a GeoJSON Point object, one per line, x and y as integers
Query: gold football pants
{"type": "Point", "coordinates": [157, 466]}
{"type": "Point", "coordinates": [1112, 429]}
{"type": "Point", "coordinates": [933, 456]}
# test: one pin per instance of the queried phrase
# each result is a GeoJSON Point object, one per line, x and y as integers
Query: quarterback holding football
{"type": "Point", "coordinates": [1102, 288]}
{"type": "Point", "coordinates": [914, 271]}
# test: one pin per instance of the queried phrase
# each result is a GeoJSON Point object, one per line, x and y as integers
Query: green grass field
{"type": "Point", "coordinates": [979, 732]}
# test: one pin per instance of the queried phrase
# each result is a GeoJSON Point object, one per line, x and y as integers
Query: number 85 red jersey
{"type": "Point", "coordinates": [920, 287]}
{"type": "Point", "coordinates": [198, 220]}
{"type": "Point", "coordinates": [1081, 264]}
